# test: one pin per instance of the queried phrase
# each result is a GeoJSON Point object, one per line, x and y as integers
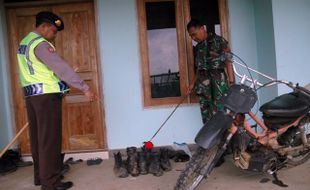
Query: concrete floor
{"type": "Point", "coordinates": [101, 177]}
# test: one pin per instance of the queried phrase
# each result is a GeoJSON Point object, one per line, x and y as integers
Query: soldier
{"type": "Point", "coordinates": [41, 74]}
{"type": "Point", "coordinates": [212, 80]}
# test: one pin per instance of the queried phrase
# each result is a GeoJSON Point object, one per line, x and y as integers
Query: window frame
{"type": "Point", "coordinates": [185, 50]}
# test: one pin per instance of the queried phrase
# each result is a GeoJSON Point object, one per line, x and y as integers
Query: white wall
{"type": "Point", "coordinates": [266, 58]}
{"type": "Point", "coordinates": [292, 38]}
{"type": "Point", "coordinates": [128, 123]}
{"type": "Point", "coordinates": [242, 30]}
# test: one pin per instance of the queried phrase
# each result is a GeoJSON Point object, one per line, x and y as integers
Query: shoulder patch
{"type": "Point", "coordinates": [51, 50]}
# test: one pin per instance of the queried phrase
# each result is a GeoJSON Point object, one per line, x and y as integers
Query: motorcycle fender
{"type": "Point", "coordinates": [211, 133]}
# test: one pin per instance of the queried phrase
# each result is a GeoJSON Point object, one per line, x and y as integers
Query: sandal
{"type": "Point", "coordinates": [93, 161]}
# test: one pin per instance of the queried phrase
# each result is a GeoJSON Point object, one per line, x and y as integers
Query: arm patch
{"type": "Point", "coordinates": [51, 50]}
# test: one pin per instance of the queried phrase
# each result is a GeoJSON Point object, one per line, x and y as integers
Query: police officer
{"type": "Point", "coordinates": [212, 80]}
{"type": "Point", "coordinates": [42, 75]}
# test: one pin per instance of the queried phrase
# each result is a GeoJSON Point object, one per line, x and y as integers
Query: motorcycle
{"type": "Point", "coordinates": [282, 139]}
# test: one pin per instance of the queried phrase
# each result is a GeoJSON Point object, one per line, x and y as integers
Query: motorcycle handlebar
{"type": "Point", "coordinates": [273, 81]}
{"type": "Point", "coordinates": [295, 87]}
{"type": "Point", "coordinates": [303, 90]}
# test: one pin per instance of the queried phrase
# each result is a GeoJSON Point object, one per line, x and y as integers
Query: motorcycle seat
{"type": "Point", "coordinates": [289, 105]}
{"type": "Point", "coordinates": [277, 122]}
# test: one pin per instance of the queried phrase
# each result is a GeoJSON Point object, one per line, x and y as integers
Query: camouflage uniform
{"type": "Point", "coordinates": [212, 80]}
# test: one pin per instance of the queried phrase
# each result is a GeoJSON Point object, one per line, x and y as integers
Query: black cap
{"type": "Point", "coordinates": [51, 18]}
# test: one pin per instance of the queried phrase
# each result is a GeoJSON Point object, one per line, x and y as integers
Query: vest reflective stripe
{"type": "Point", "coordinates": [63, 86]}
{"type": "Point", "coordinates": [29, 63]}
{"type": "Point", "coordinates": [36, 78]}
{"type": "Point", "coordinates": [37, 89]}
{"type": "Point", "coordinates": [22, 49]}
{"type": "Point", "coordinates": [34, 89]}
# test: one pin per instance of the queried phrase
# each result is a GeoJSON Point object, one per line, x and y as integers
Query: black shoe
{"type": "Point", "coordinates": [119, 168]}
{"type": "Point", "coordinates": [154, 167]}
{"type": "Point", "coordinates": [142, 164]}
{"type": "Point", "coordinates": [164, 159]}
{"type": "Point", "coordinates": [64, 185]}
{"type": "Point", "coordinates": [65, 169]}
{"type": "Point", "coordinates": [132, 161]}
{"type": "Point", "coordinates": [37, 182]}
{"type": "Point", "coordinates": [24, 164]}
{"type": "Point", "coordinates": [178, 156]}
{"type": "Point", "coordinates": [7, 165]}
{"type": "Point", "coordinates": [94, 161]}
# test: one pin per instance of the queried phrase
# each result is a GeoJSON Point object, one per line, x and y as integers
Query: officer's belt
{"type": "Point", "coordinates": [37, 89]}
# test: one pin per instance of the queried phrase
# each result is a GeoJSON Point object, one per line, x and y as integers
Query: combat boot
{"type": "Point", "coordinates": [119, 168]}
{"type": "Point", "coordinates": [132, 161]}
{"type": "Point", "coordinates": [164, 159]}
{"type": "Point", "coordinates": [154, 167]}
{"type": "Point", "coordinates": [147, 153]}
{"type": "Point", "coordinates": [142, 164]}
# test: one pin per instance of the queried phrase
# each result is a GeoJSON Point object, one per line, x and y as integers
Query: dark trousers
{"type": "Point", "coordinates": [44, 116]}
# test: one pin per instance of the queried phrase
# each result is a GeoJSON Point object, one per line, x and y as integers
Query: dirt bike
{"type": "Point", "coordinates": [283, 139]}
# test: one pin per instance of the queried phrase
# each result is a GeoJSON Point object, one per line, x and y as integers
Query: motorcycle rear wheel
{"type": "Point", "coordinates": [305, 155]}
{"type": "Point", "coordinates": [191, 177]}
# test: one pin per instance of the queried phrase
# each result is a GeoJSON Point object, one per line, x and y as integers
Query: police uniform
{"type": "Point", "coordinates": [212, 79]}
{"type": "Point", "coordinates": [41, 74]}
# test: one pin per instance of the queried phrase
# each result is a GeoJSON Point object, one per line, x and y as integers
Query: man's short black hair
{"type": "Point", "coordinates": [194, 23]}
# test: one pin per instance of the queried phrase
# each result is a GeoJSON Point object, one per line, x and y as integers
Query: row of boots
{"type": "Point", "coordinates": [142, 162]}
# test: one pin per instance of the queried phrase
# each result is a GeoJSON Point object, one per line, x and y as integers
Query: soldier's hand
{"type": "Point", "coordinates": [230, 83]}
{"type": "Point", "coordinates": [189, 89]}
{"type": "Point", "coordinates": [91, 95]}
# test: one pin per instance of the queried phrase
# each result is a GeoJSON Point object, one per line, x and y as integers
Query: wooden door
{"type": "Point", "coordinates": [83, 122]}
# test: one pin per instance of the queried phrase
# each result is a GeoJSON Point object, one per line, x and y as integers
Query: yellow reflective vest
{"type": "Point", "coordinates": [35, 77]}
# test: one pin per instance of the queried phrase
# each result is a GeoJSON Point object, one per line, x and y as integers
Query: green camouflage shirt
{"type": "Point", "coordinates": [207, 52]}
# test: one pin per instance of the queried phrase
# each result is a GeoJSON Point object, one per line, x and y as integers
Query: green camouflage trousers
{"type": "Point", "coordinates": [210, 89]}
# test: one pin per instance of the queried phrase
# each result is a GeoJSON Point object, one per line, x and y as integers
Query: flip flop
{"type": "Point", "coordinates": [94, 161]}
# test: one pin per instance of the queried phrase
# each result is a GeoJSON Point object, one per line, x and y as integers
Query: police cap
{"type": "Point", "coordinates": [51, 18]}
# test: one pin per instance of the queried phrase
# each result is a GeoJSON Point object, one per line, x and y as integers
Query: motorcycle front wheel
{"type": "Point", "coordinates": [191, 176]}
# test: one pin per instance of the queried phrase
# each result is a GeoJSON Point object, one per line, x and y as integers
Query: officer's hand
{"type": "Point", "coordinates": [91, 95]}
